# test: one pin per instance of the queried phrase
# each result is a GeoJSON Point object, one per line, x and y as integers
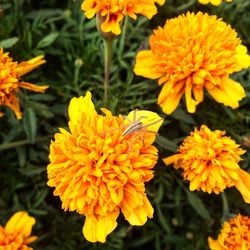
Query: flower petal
{"type": "Point", "coordinates": [173, 159]}
{"type": "Point", "coordinates": [229, 93]}
{"type": "Point", "coordinates": [21, 223]}
{"type": "Point", "coordinates": [97, 229]}
{"type": "Point", "coordinates": [242, 57]}
{"type": "Point", "coordinates": [146, 65]}
{"type": "Point", "coordinates": [243, 185]}
{"type": "Point", "coordinates": [138, 216]}
{"type": "Point", "coordinates": [25, 67]}
{"type": "Point", "coordinates": [79, 106]}
{"type": "Point", "coordinates": [214, 244]}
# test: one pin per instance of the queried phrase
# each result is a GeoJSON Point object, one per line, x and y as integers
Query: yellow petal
{"type": "Point", "coordinates": [243, 185]}
{"type": "Point", "coordinates": [21, 223]}
{"type": "Point", "coordinates": [242, 57]}
{"type": "Point", "coordinates": [81, 106]}
{"type": "Point", "coordinates": [138, 216]}
{"type": "Point", "coordinates": [169, 101]}
{"type": "Point", "coordinates": [25, 67]}
{"type": "Point", "coordinates": [146, 65]}
{"type": "Point", "coordinates": [229, 93]}
{"type": "Point", "coordinates": [95, 230]}
{"type": "Point", "coordinates": [214, 244]}
{"type": "Point", "coordinates": [151, 120]}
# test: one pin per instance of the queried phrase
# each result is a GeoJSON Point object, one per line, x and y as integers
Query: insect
{"type": "Point", "coordinates": [136, 127]}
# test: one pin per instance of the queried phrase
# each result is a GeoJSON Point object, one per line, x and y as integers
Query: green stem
{"type": "Point", "coordinates": [225, 205]}
{"type": "Point", "coordinates": [15, 144]}
{"type": "Point", "coordinates": [123, 36]}
{"type": "Point", "coordinates": [107, 60]}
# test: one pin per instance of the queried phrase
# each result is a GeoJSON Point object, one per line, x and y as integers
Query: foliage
{"type": "Point", "coordinates": [74, 54]}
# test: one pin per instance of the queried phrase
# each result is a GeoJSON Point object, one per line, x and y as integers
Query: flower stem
{"type": "Point", "coordinates": [225, 207]}
{"type": "Point", "coordinates": [107, 60]}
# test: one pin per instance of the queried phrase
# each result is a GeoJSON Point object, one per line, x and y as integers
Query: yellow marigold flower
{"type": "Point", "coordinates": [10, 83]}
{"type": "Point", "coordinates": [234, 235]}
{"type": "Point", "coordinates": [190, 53]}
{"type": "Point", "coordinates": [209, 160]}
{"type": "Point", "coordinates": [100, 166]}
{"type": "Point", "coordinates": [16, 235]}
{"type": "Point", "coordinates": [214, 2]}
{"type": "Point", "coordinates": [113, 12]}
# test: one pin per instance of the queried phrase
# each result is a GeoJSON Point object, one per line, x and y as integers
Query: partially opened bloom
{"type": "Point", "coordinates": [99, 167]}
{"type": "Point", "coordinates": [214, 2]}
{"type": "Point", "coordinates": [112, 12]}
{"type": "Point", "coordinates": [10, 82]}
{"type": "Point", "coordinates": [234, 235]}
{"type": "Point", "coordinates": [191, 53]}
{"type": "Point", "coordinates": [209, 160]}
{"type": "Point", "coordinates": [16, 235]}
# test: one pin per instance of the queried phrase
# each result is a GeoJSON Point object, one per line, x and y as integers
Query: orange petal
{"type": "Point", "coordinates": [138, 216]}
{"type": "Point", "coordinates": [214, 244]}
{"type": "Point", "coordinates": [243, 185]}
{"type": "Point", "coordinates": [33, 87]}
{"type": "Point", "coordinates": [173, 159]}
{"type": "Point", "coordinates": [27, 66]}
{"type": "Point", "coordinates": [146, 65]}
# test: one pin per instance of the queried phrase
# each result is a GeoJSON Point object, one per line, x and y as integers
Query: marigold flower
{"type": "Point", "coordinates": [98, 171]}
{"type": "Point", "coordinates": [190, 53]}
{"type": "Point", "coordinates": [209, 160]}
{"type": "Point", "coordinates": [10, 83]}
{"type": "Point", "coordinates": [214, 2]}
{"type": "Point", "coordinates": [16, 234]}
{"type": "Point", "coordinates": [234, 235]}
{"type": "Point", "coordinates": [114, 11]}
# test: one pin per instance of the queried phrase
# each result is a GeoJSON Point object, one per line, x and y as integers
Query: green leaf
{"type": "Point", "coordinates": [181, 115]}
{"type": "Point", "coordinates": [198, 205]}
{"type": "Point", "coordinates": [48, 40]}
{"type": "Point", "coordinates": [8, 43]}
{"type": "Point", "coordinates": [166, 144]}
{"type": "Point", "coordinates": [30, 124]}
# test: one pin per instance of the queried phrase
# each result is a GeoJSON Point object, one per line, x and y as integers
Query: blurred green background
{"type": "Point", "coordinates": [74, 54]}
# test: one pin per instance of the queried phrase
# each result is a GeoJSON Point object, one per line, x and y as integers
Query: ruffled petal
{"type": "Point", "coordinates": [138, 216]}
{"type": "Point", "coordinates": [243, 185]}
{"type": "Point", "coordinates": [21, 223]}
{"type": "Point", "coordinates": [228, 92]}
{"type": "Point", "coordinates": [95, 230]}
{"type": "Point", "coordinates": [81, 106]}
{"type": "Point", "coordinates": [169, 100]}
{"type": "Point", "coordinates": [146, 65]}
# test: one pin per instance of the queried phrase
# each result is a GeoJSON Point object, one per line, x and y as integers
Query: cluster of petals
{"type": "Point", "coordinates": [16, 235]}
{"type": "Point", "coordinates": [234, 235]}
{"type": "Point", "coordinates": [191, 53]}
{"type": "Point", "coordinates": [10, 83]}
{"type": "Point", "coordinates": [214, 2]}
{"type": "Point", "coordinates": [209, 160]}
{"type": "Point", "coordinates": [98, 170]}
{"type": "Point", "coordinates": [112, 12]}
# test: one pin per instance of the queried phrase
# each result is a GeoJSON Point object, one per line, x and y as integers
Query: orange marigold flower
{"type": "Point", "coordinates": [190, 53]}
{"type": "Point", "coordinates": [100, 166]}
{"type": "Point", "coordinates": [10, 83]}
{"type": "Point", "coordinates": [234, 235]}
{"type": "Point", "coordinates": [209, 160]}
{"type": "Point", "coordinates": [16, 234]}
{"type": "Point", "coordinates": [113, 12]}
{"type": "Point", "coordinates": [214, 2]}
